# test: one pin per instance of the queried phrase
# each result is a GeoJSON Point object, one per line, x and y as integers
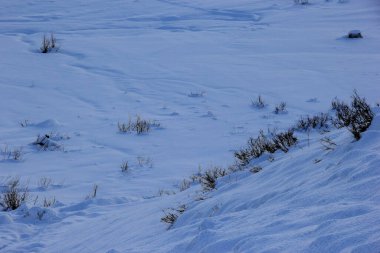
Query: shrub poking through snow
{"type": "Point", "coordinates": [92, 195]}
{"type": "Point", "coordinates": [261, 144]}
{"type": "Point", "coordinates": [356, 117]}
{"type": "Point", "coordinates": [259, 103]}
{"type": "Point", "coordinates": [139, 125]}
{"type": "Point", "coordinates": [280, 108]}
{"type": "Point", "coordinates": [49, 43]}
{"type": "Point", "coordinates": [171, 216]}
{"type": "Point", "coordinates": [14, 195]}
{"type": "Point", "coordinates": [44, 182]}
{"type": "Point", "coordinates": [301, 1]}
{"type": "Point", "coordinates": [256, 169]}
{"type": "Point", "coordinates": [184, 185]}
{"type": "Point", "coordinates": [209, 177]}
{"type": "Point", "coordinates": [11, 154]}
{"type": "Point", "coordinates": [49, 202]}
{"type": "Point", "coordinates": [124, 166]}
{"type": "Point", "coordinates": [305, 123]}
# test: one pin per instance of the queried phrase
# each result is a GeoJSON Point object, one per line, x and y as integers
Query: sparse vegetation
{"type": "Point", "coordinates": [197, 94]}
{"type": "Point", "coordinates": [49, 202]}
{"type": "Point", "coordinates": [259, 103]}
{"type": "Point", "coordinates": [14, 154]}
{"type": "Point", "coordinates": [256, 169]}
{"type": "Point", "coordinates": [124, 166]}
{"type": "Point", "coordinates": [280, 108]}
{"type": "Point", "coordinates": [138, 125]}
{"type": "Point", "coordinates": [301, 2]}
{"type": "Point", "coordinates": [209, 177]}
{"type": "Point", "coordinates": [14, 195]}
{"type": "Point", "coordinates": [171, 215]}
{"type": "Point", "coordinates": [94, 192]}
{"type": "Point", "coordinates": [44, 182]}
{"type": "Point", "coordinates": [24, 123]}
{"type": "Point", "coordinates": [184, 185]}
{"type": "Point", "coordinates": [261, 144]}
{"type": "Point", "coordinates": [356, 117]}
{"type": "Point", "coordinates": [305, 123]}
{"type": "Point", "coordinates": [49, 43]}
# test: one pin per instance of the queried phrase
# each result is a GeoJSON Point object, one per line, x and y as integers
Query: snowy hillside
{"type": "Point", "coordinates": [192, 69]}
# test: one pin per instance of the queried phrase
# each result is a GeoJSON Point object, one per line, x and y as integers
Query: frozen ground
{"type": "Point", "coordinates": [194, 67]}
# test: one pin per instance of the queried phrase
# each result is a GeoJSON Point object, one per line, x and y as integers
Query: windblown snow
{"type": "Point", "coordinates": [191, 68]}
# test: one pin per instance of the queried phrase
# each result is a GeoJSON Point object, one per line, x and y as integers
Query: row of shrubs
{"type": "Point", "coordinates": [265, 143]}
{"type": "Point", "coordinates": [356, 117]}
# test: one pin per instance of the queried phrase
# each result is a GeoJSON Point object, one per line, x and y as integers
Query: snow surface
{"type": "Point", "coordinates": [194, 67]}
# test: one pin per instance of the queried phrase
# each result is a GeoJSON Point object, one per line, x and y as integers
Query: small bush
{"type": "Point", "coordinates": [49, 202]}
{"type": "Point", "coordinates": [305, 123]}
{"type": "Point", "coordinates": [144, 161]}
{"type": "Point", "coordinates": [256, 169]}
{"type": "Point", "coordinates": [14, 196]}
{"type": "Point", "coordinates": [44, 182]}
{"type": "Point", "coordinates": [197, 94]}
{"type": "Point", "coordinates": [185, 184]}
{"type": "Point", "coordinates": [124, 166]}
{"type": "Point", "coordinates": [49, 43]}
{"type": "Point", "coordinates": [208, 178]}
{"type": "Point", "coordinates": [169, 218]}
{"type": "Point", "coordinates": [356, 117]}
{"type": "Point", "coordinates": [139, 125]}
{"type": "Point", "coordinates": [11, 154]}
{"type": "Point", "coordinates": [94, 192]}
{"type": "Point", "coordinates": [259, 103]}
{"type": "Point", "coordinates": [24, 123]}
{"type": "Point", "coordinates": [280, 108]}
{"type": "Point", "coordinates": [261, 144]}
{"type": "Point", "coordinates": [301, 2]}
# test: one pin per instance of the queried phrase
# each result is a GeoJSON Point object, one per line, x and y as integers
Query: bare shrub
{"type": "Point", "coordinates": [48, 43]}
{"type": "Point", "coordinates": [24, 123]}
{"type": "Point", "coordinates": [258, 146]}
{"type": "Point", "coordinates": [171, 215]}
{"type": "Point", "coordinates": [14, 195]}
{"type": "Point", "coordinates": [280, 108]}
{"type": "Point", "coordinates": [259, 103]}
{"type": "Point", "coordinates": [144, 161]}
{"type": "Point", "coordinates": [197, 94]}
{"type": "Point", "coordinates": [14, 154]}
{"type": "Point", "coordinates": [185, 184]}
{"type": "Point", "coordinates": [138, 125]}
{"type": "Point", "coordinates": [124, 166]}
{"type": "Point", "coordinates": [356, 117]}
{"type": "Point", "coordinates": [169, 218]}
{"type": "Point", "coordinates": [305, 123]}
{"type": "Point", "coordinates": [44, 182]}
{"type": "Point", "coordinates": [49, 202]}
{"type": "Point", "coordinates": [256, 169]}
{"type": "Point", "coordinates": [208, 178]}
{"type": "Point", "coordinates": [301, 2]}
{"type": "Point", "coordinates": [92, 195]}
